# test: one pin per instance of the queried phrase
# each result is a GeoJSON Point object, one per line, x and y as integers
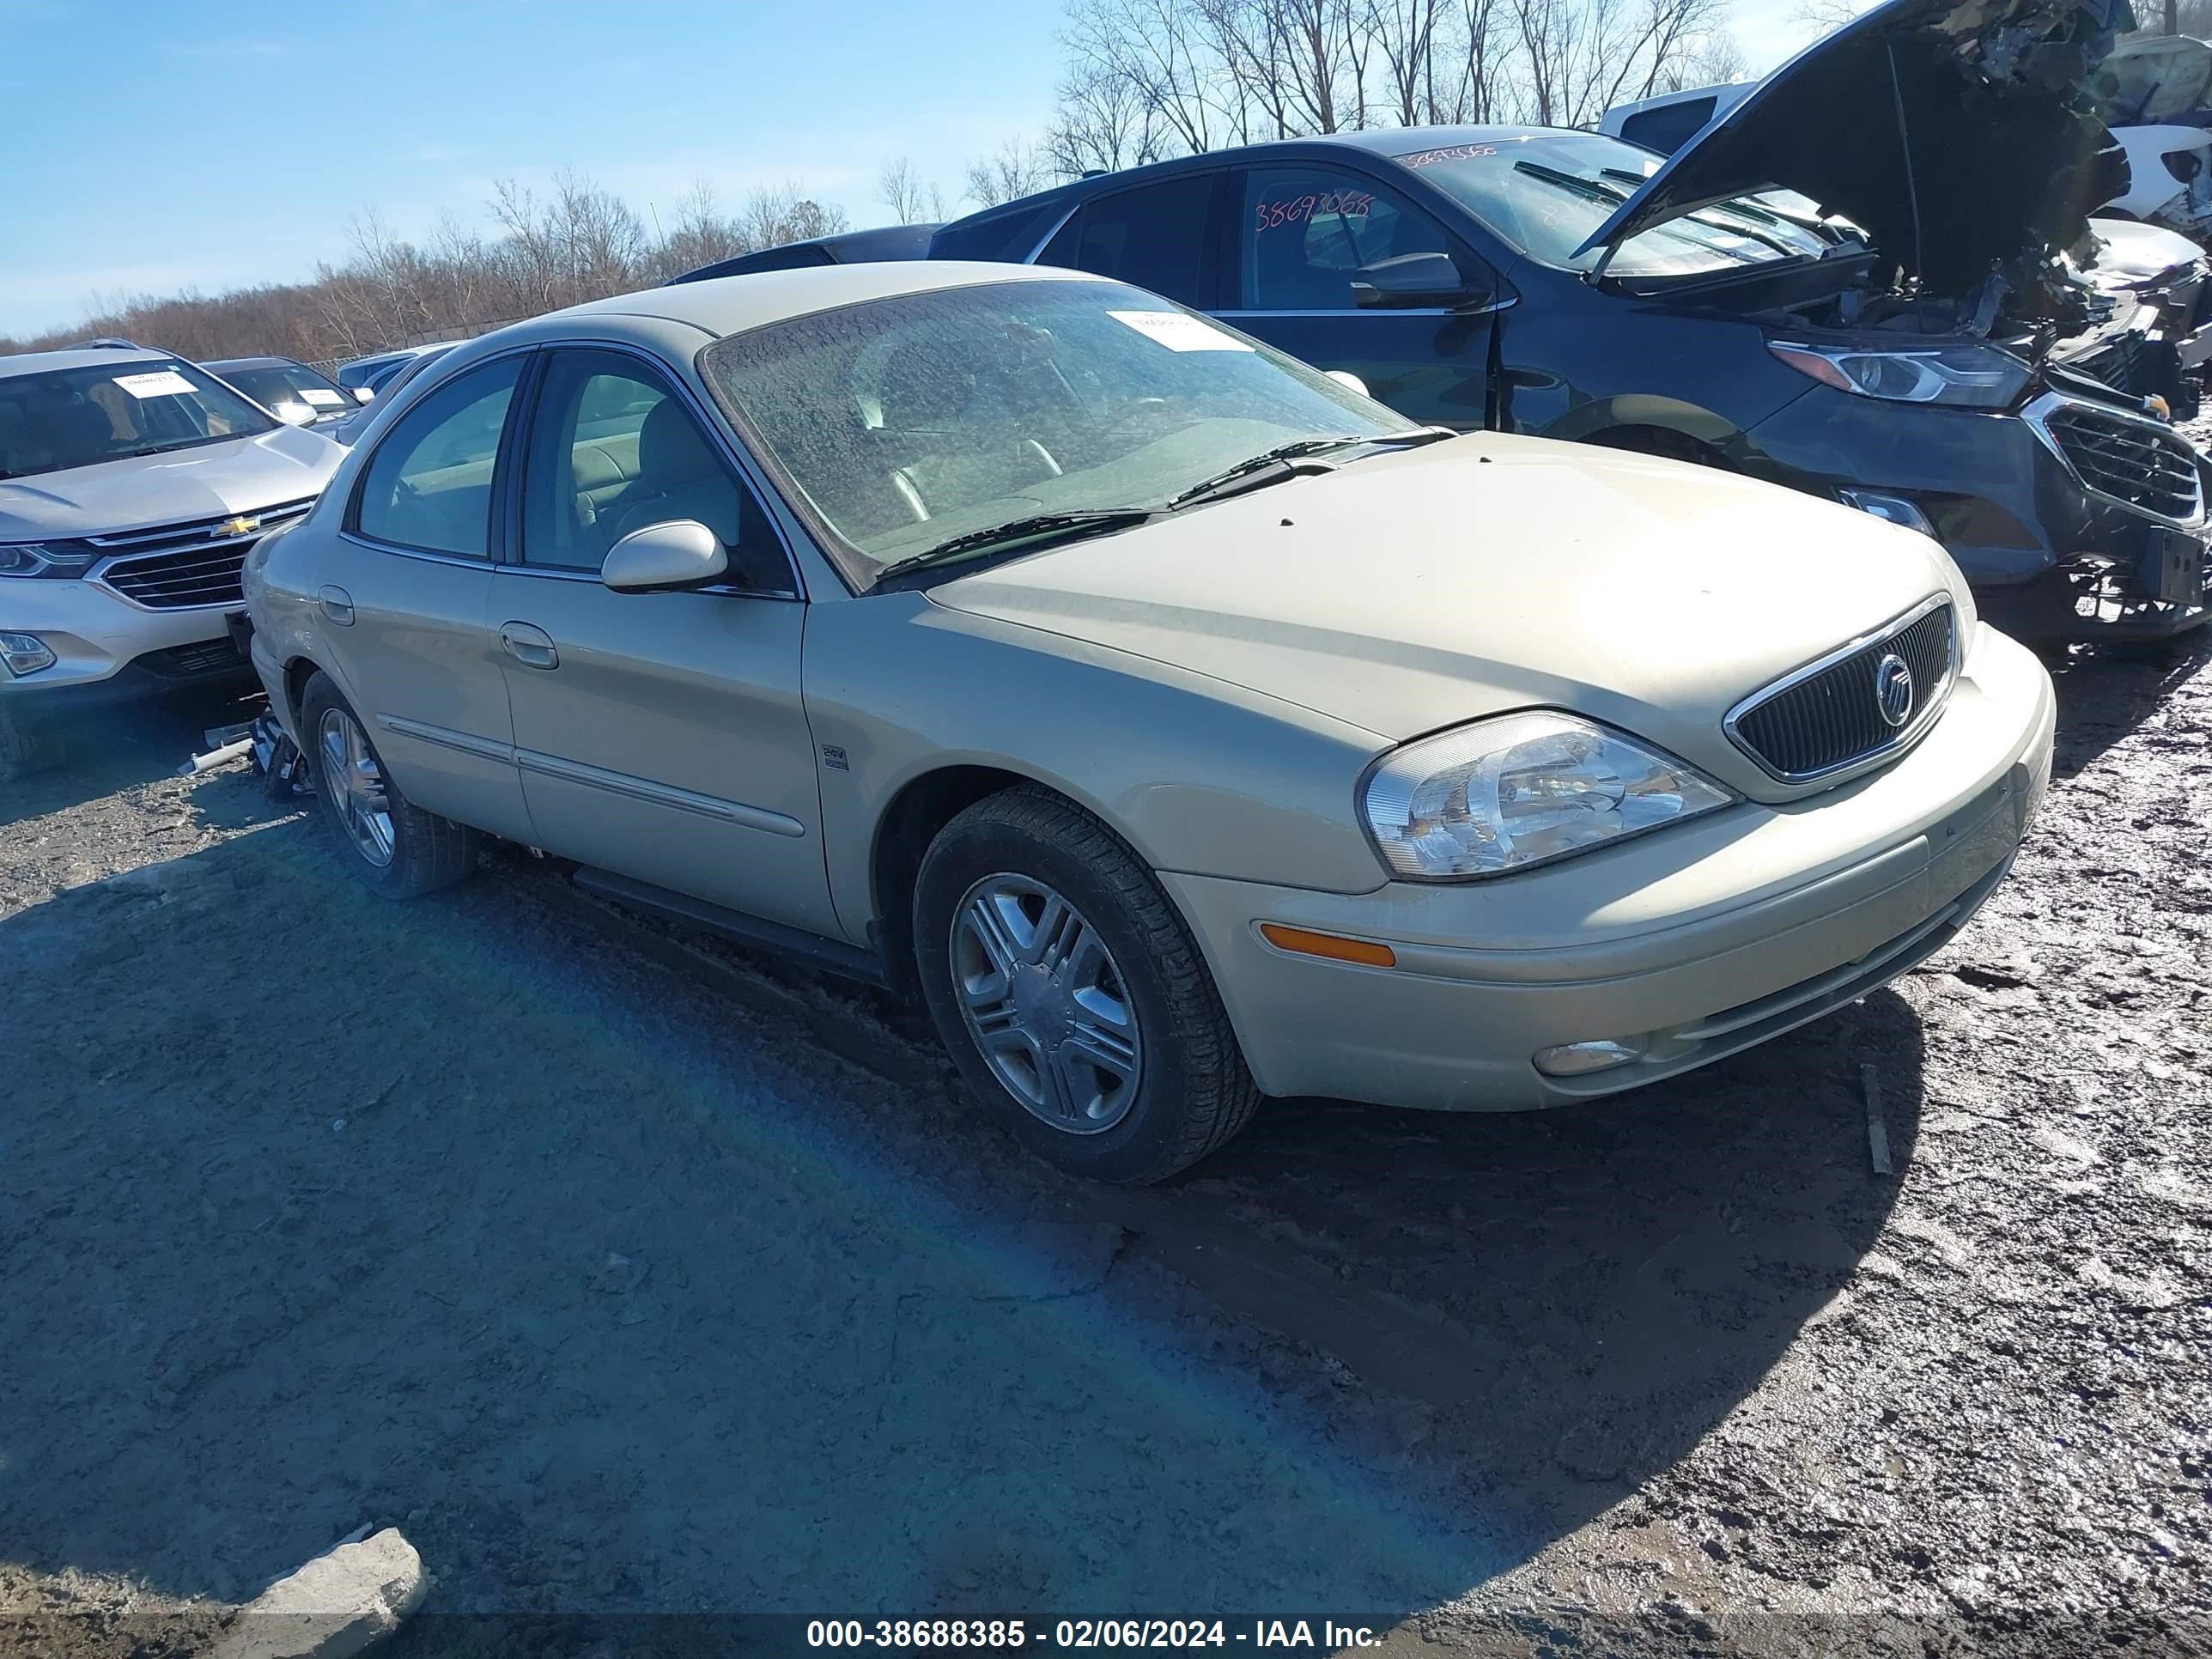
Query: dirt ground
{"type": "Point", "coordinates": [632, 1276]}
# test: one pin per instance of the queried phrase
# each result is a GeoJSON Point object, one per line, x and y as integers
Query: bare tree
{"type": "Point", "coordinates": [1711, 61]}
{"type": "Point", "coordinates": [899, 188]}
{"type": "Point", "coordinates": [1202, 72]}
{"type": "Point", "coordinates": [1827, 16]}
{"type": "Point", "coordinates": [782, 213]}
{"type": "Point", "coordinates": [1167, 57]}
{"type": "Point", "coordinates": [1104, 124]}
{"type": "Point", "coordinates": [698, 233]}
{"type": "Point", "coordinates": [1017, 169]}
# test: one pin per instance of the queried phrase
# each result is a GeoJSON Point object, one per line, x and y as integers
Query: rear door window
{"type": "Point", "coordinates": [428, 486]}
{"type": "Point", "coordinates": [1156, 236]}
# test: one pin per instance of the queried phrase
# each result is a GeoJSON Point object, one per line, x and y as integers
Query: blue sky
{"type": "Point", "coordinates": [156, 146]}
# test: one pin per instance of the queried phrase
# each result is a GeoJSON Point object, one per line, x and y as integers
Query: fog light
{"type": "Point", "coordinates": [1581, 1059]}
{"type": "Point", "coordinates": [24, 654]}
{"type": "Point", "coordinates": [1890, 509]}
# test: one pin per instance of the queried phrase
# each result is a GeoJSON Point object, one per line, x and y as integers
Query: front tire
{"type": "Point", "coordinates": [1072, 996]}
{"type": "Point", "coordinates": [392, 845]}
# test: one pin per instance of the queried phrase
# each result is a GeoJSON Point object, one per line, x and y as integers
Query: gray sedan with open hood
{"type": "Point", "coordinates": [1184, 727]}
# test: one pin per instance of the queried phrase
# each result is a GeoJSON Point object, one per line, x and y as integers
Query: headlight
{"type": "Point", "coordinates": [1503, 794]}
{"type": "Point", "coordinates": [44, 559]}
{"type": "Point", "coordinates": [1972, 377]}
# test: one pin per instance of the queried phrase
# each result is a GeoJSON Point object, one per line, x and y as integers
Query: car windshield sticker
{"type": "Point", "coordinates": [321, 396]}
{"type": "Point", "coordinates": [1296, 209]}
{"type": "Point", "coordinates": [1178, 332]}
{"type": "Point", "coordinates": [162, 383]}
{"type": "Point", "coordinates": [1453, 153]}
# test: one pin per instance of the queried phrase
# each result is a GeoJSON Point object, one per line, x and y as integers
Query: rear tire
{"type": "Point", "coordinates": [392, 845]}
{"type": "Point", "coordinates": [1088, 986]}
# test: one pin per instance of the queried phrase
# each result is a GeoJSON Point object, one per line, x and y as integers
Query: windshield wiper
{"type": "Point", "coordinates": [1038, 527]}
{"type": "Point", "coordinates": [1572, 182]}
{"type": "Point", "coordinates": [1226, 480]}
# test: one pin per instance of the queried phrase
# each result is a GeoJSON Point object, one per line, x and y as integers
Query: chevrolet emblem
{"type": "Point", "coordinates": [241, 525]}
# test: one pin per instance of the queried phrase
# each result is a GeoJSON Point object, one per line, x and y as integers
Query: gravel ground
{"type": "Point", "coordinates": [631, 1275]}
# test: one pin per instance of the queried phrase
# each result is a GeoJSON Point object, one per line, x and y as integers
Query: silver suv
{"type": "Point", "coordinates": [131, 485]}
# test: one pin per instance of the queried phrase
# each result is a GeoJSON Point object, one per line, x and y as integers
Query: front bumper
{"type": "Point", "coordinates": [2015, 515]}
{"type": "Point", "coordinates": [1697, 942]}
{"type": "Point", "coordinates": [107, 651]}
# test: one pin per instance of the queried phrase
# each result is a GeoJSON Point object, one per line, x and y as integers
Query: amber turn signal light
{"type": "Point", "coordinates": [1362, 951]}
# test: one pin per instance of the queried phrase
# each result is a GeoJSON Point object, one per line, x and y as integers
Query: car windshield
{"type": "Point", "coordinates": [272, 384]}
{"type": "Point", "coordinates": [910, 421]}
{"type": "Point", "coordinates": [1545, 193]}
{"type": "Point", "coordinates": [52, 420]}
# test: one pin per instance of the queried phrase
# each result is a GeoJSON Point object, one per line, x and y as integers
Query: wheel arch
{"type": "Point", "coordinates": [298, 671]}
{"type": "Point", "coordinates": [910, 820]}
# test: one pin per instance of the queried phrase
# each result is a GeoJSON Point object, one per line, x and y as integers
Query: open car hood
{"type": "Point", "coordinates": [1958, 132]}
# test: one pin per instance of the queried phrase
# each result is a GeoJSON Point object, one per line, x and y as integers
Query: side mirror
{"type": "Point", "coordinates": [1348, 380]}
{"type": "Point", "coordinates": [1410, 279]}
{"type": "Point", "coordinates": [664, 557]}
{"type": "Point", "coordinates": [361, 394]}
{"type": "Point", "coordinates": [294, 413]}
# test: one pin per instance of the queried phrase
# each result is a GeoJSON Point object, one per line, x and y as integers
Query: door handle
{"type": "Point", "coordinates": [531, 647]}
{"type": "Point", "coordinates": [337, 606]}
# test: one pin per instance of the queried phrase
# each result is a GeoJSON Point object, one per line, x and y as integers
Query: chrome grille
{"type": "Point", "coordinates": [188, 565]}
{"type": "Point", "coordinates": [1827, 717]}
{"type": "Point", "coordinates": [2137, 462]}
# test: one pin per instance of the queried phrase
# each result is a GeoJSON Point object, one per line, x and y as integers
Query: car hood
{"type": "Point", "coordinates": [2133, 254]}
{"type": "Point", "coordinates": [1414, 590]}
{"type": "Point", "coordinates": [243, 475]}
{"type": "Point", "coordinates": [1956, 131]}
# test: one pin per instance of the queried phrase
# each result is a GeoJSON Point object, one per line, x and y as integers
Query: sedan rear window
{"type": "Point", "coordinates": [1546, 193]}
{"type": "Point", "coordinates": [908, 421]}
{"type": "Point", "coordinates": [61, 418]}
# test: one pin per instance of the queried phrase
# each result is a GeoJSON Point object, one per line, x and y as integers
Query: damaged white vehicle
{"type": "Point", "coordinates": [2151, 93]}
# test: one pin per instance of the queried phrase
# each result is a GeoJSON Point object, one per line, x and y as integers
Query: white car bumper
{"type": "Point", "coordinates": [106, 648]}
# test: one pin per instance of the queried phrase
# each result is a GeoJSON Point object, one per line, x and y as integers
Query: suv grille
{"type": "Point", "coordinates": [182, 566]}
{"type": "Point", "coordinates": [2132, 461]}
{"type": "Point", "coordinates": [1830, 715]}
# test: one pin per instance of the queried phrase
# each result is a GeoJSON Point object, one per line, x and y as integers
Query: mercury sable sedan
{"type": "Point", "coordinates": [1184, 727]}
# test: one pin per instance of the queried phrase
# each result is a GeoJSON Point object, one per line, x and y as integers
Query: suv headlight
{"type": "Point", "coordinates": [1971, 377]}
{"type": "Point", "coordinates": [1503, 794]}
{"type": "Point", "coordinates": [44, 559]}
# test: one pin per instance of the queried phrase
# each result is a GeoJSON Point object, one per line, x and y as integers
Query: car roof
{"type": "Point", "coordinates": [844, 247]}
{"type": "Point", "coordinates": [253, 362]}
{"type": "Point", "coordinates": [45, 363]}
{"type": "Point", "coordinates": [1388, 143]}
{"type": "Point", "coordinates": [730, 304]}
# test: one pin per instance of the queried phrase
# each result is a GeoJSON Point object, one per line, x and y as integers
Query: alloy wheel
{"type": "Point", "coordinates": [355, 786]}
{"type": "Point", "coordinates": [1046, 1004]}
